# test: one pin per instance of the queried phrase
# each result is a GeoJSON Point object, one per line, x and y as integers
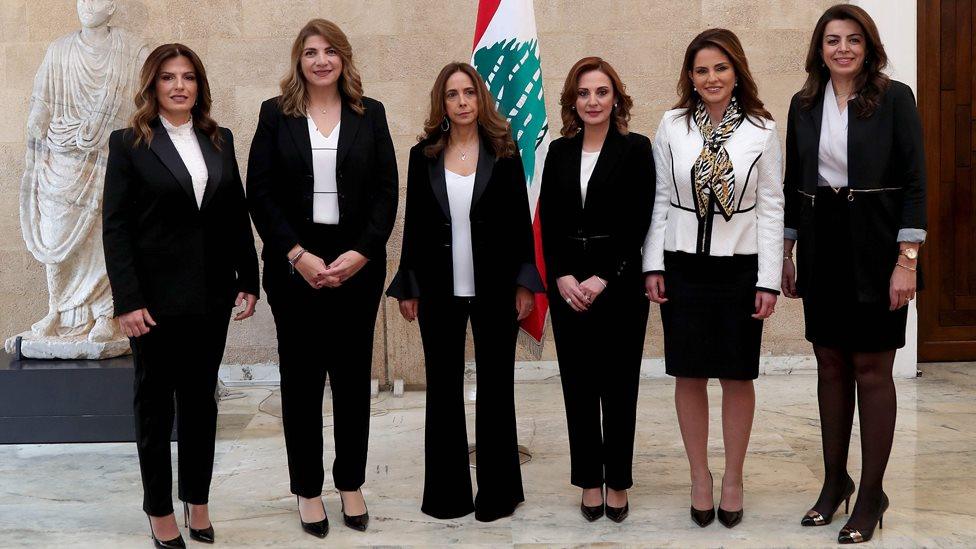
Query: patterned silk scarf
{"type": "Point", "coordinates": [712, 175]}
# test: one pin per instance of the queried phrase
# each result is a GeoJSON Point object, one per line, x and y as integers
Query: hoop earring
{"type": "Point", "coordinates": [446, 125]}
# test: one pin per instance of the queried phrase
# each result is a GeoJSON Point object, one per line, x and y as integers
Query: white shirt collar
{"type": "Point", "coordinates": [182, 130]}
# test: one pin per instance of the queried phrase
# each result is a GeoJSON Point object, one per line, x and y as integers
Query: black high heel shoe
{"type": "Point", "coordinates": [729, 519]}
{"type": "Point", "coordinates": [816, 519]}
{"type": "Point", "coordinates": [700, 517]}
{"type": "Point", "coordinates": [318, 529]}
{"type": "Point", "coordinates": [205, 535]}
{"type": "Point", "coordinates": [175, 543]}
{"type": "Point", "coordinates": [357, 522]}
{"type": "Point", "coordinates": [850, 535]}
{"type": "Point", "coordinates": [594, 512]}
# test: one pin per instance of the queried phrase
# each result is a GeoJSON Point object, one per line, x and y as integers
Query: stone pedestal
{"type": "Point", "coordinates": [78, 347]}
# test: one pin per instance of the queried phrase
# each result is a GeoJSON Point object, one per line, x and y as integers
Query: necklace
{"type": "Point", "coordinates": [463, 151]}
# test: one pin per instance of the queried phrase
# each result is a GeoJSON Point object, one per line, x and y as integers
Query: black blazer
{"type": "Point", "coordinates": [886, 171]}
{"type": "Point", "coordinates": [162, 251]}
{"type": "Point", "coordinates": [503, 246]}
{"type": "Point", "coordinates": [280, 182]}
{"type": "Point", "coordinates": [605, 236]}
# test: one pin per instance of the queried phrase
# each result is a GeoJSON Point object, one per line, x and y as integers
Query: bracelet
{"type": "Point", "coordinates": [600, 280]}
{"type": "Point", "coordinates": [790, 257]}
{"type": "Point", "coordinates": [912, 269]}
{"type": "Point", "coordinates": [294, 260]}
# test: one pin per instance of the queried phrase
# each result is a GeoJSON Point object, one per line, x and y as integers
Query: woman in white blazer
{"type": "Point", "coordinates": [713, 254]}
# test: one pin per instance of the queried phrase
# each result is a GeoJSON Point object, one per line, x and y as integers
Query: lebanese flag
{"type": "Point", "coordinates": [506, 54]}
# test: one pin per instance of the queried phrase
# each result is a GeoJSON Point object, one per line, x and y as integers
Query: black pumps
{"type": "Point", "coordinates": [205, 535]}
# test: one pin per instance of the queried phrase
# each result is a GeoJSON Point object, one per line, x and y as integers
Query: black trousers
{"type": "Point", "coordinates": [179, 357]}
{"type": "Point", "coordinates": [447, 477]}
{"type": "Point", "coordinates": [599, 354]}
{"type": "Point", "coordinates": [326, 332]}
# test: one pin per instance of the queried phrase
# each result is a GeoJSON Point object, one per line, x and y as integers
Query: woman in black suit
{"type": "Point", "coordinates": [322, 188]}
{"type": "Point", "coordinates": [595, 208]}
{"type": "Point", "coordinates": [467, 253]}
{"type": "Point", "coordinates": [179, 254]}
{"type": "Point", "coordinates": [855, 202]}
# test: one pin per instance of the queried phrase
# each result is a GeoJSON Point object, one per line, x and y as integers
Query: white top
{"type": "Point", "coordinates": [587, 163]}
{"type": "Point", "coordinates": [832, 156]}
{"type": "Point", "coordinates": [187, 145]}
{"type": "Point", "coordinates": [459, 191]}
{"type": "Point", "coordinates": [325, 201]}
{"type": "Point", "coordinates": [756, 227]}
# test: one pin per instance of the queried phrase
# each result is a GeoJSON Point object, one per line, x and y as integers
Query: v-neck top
{"type": "Point", "coordinates": [587, 163]}
{"type": "Point", "coordinates": [832, 155]}
{"type": "Point", "coordinates": [188, 146]}
{"type": "Point", "coordinates": [325, 201]}
{"type": "Point", "coordinates": [460, 189]}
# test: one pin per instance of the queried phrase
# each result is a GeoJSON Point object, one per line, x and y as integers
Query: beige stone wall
{"type": "Point", "coordinates": [399, 46]}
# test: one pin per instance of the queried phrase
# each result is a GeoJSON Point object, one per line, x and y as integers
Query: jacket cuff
{"type": "Point", "coordinates": [790, 234]}
{"type": "Point", "coordinates": [404, 285]}
{"type": "Point", "coordinates": [911, 235]}
{"type": "Point", "coordinates": [128, 304]}
{"type": "Point", "coordinates": [767, 290]}
{"type": "Point", "coordinates": [528, 278]}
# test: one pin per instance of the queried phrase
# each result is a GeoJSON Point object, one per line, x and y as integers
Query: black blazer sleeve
{"type": "Point", "coordinates": [528, 276]}
{"type": "Point", "coordinates": [910, 150]}
{"type": "Point", "coordinates": [379, 225]}
{"type": "Point", "coordinates": [404, 285]}
{"type": "Point", "coordinates": [117, 236]}
{"type": "Point", "coordinates": [262, 176]}
{"type": "Point", "coordinates": [793, 179]}
{"type": "Point", "coordinates": [550, 215]}
{"type": "Point", "coordinates": [246, 257]}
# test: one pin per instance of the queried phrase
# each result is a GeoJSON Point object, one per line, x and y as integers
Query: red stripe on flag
{"type": "Point", "coordinates": [535, 323]}
{"type": "Point", "coordinates": [486, 10]}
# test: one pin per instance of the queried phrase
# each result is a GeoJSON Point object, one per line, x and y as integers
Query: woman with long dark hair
{"type": "Point", "coordinates": [179, 254]}
{"type": "Point", "coordinates": [595, 208]}
{"type": "Point", "coordinates": [467, 253]}
{"type": "Point", "coordinates": [713, 254]}
{"type": "Point", "coordinates": [855, 205]}
{"type": "Point", "coordinates": [322, 188]}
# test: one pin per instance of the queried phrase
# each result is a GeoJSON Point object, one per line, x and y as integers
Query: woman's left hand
{"type": "Point", "coordinates": [592, 287]}
{"type": "Point", "coordinates": [248, 311]}
{"type": "Point", "coordinates": [902, 288]}
{"type": "Point", "coordinates": [765, 305]}
{"type": "Point", "coordinates": [343, 268]}
{"type": "Point", "coordinates": [524, 302]}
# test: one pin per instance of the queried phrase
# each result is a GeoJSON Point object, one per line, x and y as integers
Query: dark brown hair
{"type": "Point", "coordinates": [294, 97]}
{"type": "Point", "coordinates": [147, 104]}
{"type": "Point", "coordinates": [869, 84]}
{"type": "Point", "coordinates": [746, 92]}
{"type": "Point", "coordinates": [572, 123]}
{"type": "Point", "coordinates": [493, 129]}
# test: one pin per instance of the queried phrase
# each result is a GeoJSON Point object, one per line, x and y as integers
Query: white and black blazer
{"type": "Point", "coordinates": [756, 226]}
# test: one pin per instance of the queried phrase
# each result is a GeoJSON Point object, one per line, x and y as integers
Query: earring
{"type": "Point", "coordinates": [695, 89]}
{"type": "Point", "coordinates": [446, 125]}
{"type": "Point", "coordinates": [615, 105]}
{"type": "Point", "coordinates": [573, 107]}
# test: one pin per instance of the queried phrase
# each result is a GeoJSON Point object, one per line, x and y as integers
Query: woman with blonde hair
{"type": "Point", "coordinates": [322, 189]}
{"type": "Point", "coordinates": [179, 254]}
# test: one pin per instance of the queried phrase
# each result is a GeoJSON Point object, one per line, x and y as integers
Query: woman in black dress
{"type": "Point", "coordinates": [595, 208]}
{"type": "Point", "coordinates": [855, 203]}
{"type": "Point", "coordinates": [713, 254]}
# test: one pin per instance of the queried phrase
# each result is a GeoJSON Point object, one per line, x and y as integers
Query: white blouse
{"type": "Point", "coordinates": [188, 147]}
{"type": "Point", "coordinates": [756, 226]}
{"type": "Point", "coordinates": [325, 201]}
{"type": "Point", "coordinates": [459, 192]}
{"type": "Point", "coordinates": [587, 163]}
{"type": "Point", "coordinates": [832, 155]}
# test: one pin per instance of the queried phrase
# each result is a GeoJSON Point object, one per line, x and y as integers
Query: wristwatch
{"type": "Point", "coordinates": [910, 253]}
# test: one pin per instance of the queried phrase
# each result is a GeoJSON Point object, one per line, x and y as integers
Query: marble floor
{"type": "Point", "coordinates": [89, 495]}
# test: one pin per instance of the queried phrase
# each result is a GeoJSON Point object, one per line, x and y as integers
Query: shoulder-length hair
{"type": "Point", "coordinates": [869, 84]}
{"type": "Point", "coordinates": [147, 104]}
{"type": "Point", "coordinates": [294, 96]}
{"type": "Point", "coordinates": [572, 123]}
{"type": "Point", "coordinates": [495, 131]}
{"type": "Point", "coordinates": [746, 92]}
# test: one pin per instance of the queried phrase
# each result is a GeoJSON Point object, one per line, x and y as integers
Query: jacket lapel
{"type": "Point", "coordinates": [213, 159]}
{"type": "Point", "coordinates": [438, 183]}
{"type": "Point", "coordinates": [298, 128]}
{"type": "Point", "coordinates": [613, 147]}
{"type": "Point", "coordinates": [816, 119]}
{"type": "Point", "coordinates": [486, 165]}
{"type": "Point", "coordinates": [349, 124]}
{"type": "Point", "coordinates": [575, 162]}
{"type": "Point", "coordinates": [166, 151]}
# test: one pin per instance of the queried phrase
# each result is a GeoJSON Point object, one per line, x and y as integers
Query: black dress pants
{"type": "Point", "coordinates": [179, 357]}
{"type": "Point", "coordinates": [447, 477]}
{"type": "Point", "coordinates": [325, 332]}
{"type": "Point", "coordinates": [599, 353]}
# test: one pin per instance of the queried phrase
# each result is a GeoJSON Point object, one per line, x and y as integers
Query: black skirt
{"type": "Point", "coordinates": [709, 331]}
{"type": "Point", "coordinates": [833, 314]}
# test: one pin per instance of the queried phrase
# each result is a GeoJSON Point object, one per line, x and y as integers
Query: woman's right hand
{"type": "Point", "coordinates": [654, 284]}
{"type": "Point", "coordinates": [569, 289]}
{"type": "Point", "coordinates": [789, 278]}
{"type": "Point", "coordinates": [136, 323]}
{"type": "Point", "coordinates": [408, 308]}
{"type": "Point", "coordinates": [312, 269]}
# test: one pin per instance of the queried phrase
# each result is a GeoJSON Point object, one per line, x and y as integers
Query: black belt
{"type": "Point", "coordinates": [586, 241]}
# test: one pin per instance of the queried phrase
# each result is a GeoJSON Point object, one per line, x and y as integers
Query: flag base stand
{"type": "Point", "coordinates": [525, 455]}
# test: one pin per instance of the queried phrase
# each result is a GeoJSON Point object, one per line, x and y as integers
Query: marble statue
{"type": "Point", "coordinates": [83, 90]}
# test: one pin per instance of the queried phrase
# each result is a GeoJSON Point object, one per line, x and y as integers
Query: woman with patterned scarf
{"type": "Point", "coordinates": [713, 254]}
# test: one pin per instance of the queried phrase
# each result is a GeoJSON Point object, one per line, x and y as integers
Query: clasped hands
{"type": "Point", "coordinates": [580, 295]}
{"type": "Point", "coordinates": [319, 275]}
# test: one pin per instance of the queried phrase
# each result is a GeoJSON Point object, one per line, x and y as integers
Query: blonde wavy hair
{"type": "Point", "coordinates": [294, 98]}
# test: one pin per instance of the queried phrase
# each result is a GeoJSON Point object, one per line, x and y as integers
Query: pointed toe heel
{"type": "Point", "coordinates": [814, 518]}
{"type": "Point", "coordinates": [618, 514]}
{"type": "Point", "coordinates": [729, 519]}
{"type": "Point", "coordinates": [204, 535]}
{"type": "Point", "coordinates": [175, 543]}
{"type": "Point", "coordinates": [702, 518]}
{"type": "Point", "coordinates": [319, 529]}
{"type": "Point", "coordinates": [591, 513]}
{"type": "Point", "coordinates": [848, 535]}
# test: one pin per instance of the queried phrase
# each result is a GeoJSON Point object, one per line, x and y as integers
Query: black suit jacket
{"type": "Point", "coordinates": [886, 169]}
{"type": "Point", "coordinates": [605, 236]}
{"type": "Point", "coordinates": [162, 251]}
{"type": "Point", "coordinates": [280, 182]}
{"type": "Point", "coordinates": [503, 246]}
